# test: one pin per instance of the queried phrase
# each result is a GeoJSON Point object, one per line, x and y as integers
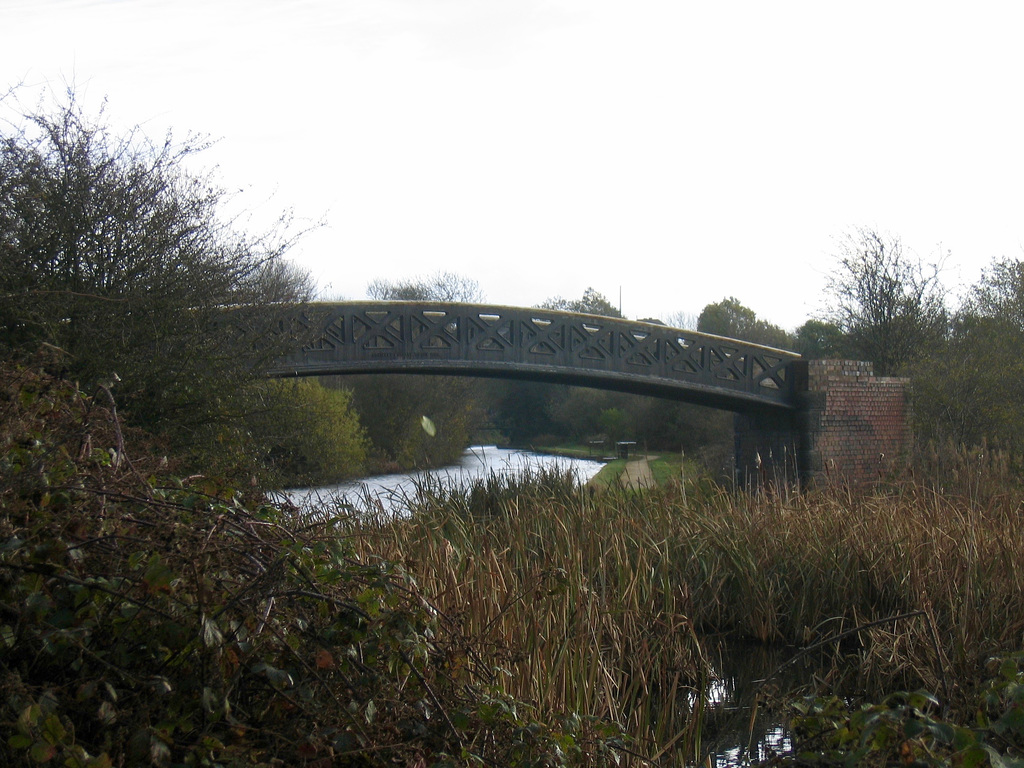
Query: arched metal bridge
{"type": "Point", "coordinates": [538, 344]}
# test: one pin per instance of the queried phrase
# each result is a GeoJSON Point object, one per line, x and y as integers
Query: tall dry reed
{"type": "Point", "coordinates": [596, 603]}
{"type": "Point", "coordinates": [575, 592]}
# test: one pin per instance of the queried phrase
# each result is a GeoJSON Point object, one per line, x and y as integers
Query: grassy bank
{"type": "Point", "coordinates": [666, 467]}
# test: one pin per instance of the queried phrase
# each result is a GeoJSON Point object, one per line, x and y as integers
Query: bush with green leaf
{"type": "Point", "coordinates": [311, 435]}
{"type": "Point", "coordinates": [909, 728]}
{"type": "Point", "coordinates": [150, 620]}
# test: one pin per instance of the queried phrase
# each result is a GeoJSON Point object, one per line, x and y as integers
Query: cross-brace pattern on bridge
{"type": "Point", "coordinates": [511, 342]}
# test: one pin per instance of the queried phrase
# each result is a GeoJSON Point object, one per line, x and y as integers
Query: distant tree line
{"type": "Point", "coordinates": [891, 308]}
{"type": "Point", "coordinates": [882, 305]}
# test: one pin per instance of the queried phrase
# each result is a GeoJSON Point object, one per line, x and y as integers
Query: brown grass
{"type": "Point", "coordinates": [599, 601]}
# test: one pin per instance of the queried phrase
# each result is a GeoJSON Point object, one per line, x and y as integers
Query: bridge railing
{"type": "Point", "coordinates": [434, 337]}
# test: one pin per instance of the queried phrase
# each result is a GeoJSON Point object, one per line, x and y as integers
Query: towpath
{"type": "Point", "coordinates": [637, 474]}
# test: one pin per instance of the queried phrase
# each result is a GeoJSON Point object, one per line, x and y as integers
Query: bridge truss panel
{"type": "Point", "coordinates": [427, 337]}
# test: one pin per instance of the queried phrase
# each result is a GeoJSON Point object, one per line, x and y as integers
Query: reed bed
{"type": "Point", "coordinates": [598, 603]}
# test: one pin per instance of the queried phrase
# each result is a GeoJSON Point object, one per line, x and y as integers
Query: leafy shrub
{"type": "Point", "coordinates": [150, 620]}
{"type": "Point", "coordinates": [320, 440]}
{"type": "Point", "coordinates": [908, 729]}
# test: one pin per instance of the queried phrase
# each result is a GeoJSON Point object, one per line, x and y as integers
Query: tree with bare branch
{"type": "Point", "coordinates": [116, 250]}
{"type": "Point", "coordinates": [890, 307]}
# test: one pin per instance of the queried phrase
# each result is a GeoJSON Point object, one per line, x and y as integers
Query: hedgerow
{"type": "Point", "coordinates": [147, 619]}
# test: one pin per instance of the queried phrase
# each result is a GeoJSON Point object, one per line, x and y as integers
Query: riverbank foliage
{"type": "Point", "coordinates": [911, 728]}
{"type": "Point", "coordinates": [609, 598]}
{"type": "Point", "coordinates": [147, 619]}
{"type": "Point", "coordinates": [310, 434]}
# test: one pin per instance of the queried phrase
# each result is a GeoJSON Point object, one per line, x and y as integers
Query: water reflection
{"type": "Point", "coordinates": [399, 492]}
{"type": "Point", "coordinates": [739, 728]}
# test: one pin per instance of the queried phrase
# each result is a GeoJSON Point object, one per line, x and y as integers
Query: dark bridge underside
{"type": "Point", "coordinates": [542, 345]}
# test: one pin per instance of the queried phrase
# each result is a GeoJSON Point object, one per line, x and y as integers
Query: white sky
{"type": "Point", "coordinates": [679, 152]}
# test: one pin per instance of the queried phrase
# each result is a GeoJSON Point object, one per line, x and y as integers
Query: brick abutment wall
{"type": "Point", "coordinates": [850, 427]}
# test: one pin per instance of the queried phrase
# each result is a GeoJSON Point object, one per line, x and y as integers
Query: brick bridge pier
{"type": "Point", "coordinates": [849, 427]}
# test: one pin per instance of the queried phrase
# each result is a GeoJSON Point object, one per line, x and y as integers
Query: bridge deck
{"type": "Point", "coordinates": [512, 342]}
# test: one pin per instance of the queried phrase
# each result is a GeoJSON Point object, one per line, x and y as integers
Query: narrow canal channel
{"type": "Point", "coordinates": [392, 493]}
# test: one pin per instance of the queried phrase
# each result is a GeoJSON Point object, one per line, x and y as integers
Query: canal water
{"type": "Point", "coordinates": [393, 493]}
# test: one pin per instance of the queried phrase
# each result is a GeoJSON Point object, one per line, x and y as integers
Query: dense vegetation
{"type": "Point", "coordinates": [147, 619]}
{"type": "Point", "coordinates": [611, 604]}
{"type": "Point", "coordinates": [155, 609]}
{"type": "Point", "coordinates": [154, 619]}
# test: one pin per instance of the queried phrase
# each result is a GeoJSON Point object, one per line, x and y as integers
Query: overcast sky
{"type": "Point", "coordinates": [677, 152]}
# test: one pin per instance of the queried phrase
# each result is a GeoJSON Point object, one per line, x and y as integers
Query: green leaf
{"type": "Point", "coordinates": [42, 752]}
{"type": "Point", "coordinates": [1012, 720]}
{"type": "Point", "coordinates": [964, 738]}
{"type": "Point", "coordinates": [995, 758]}
{"type": "Point", "coordinates": [944, 732]}
{"type": "Point", "coordinates": [1015, 691]}
{"type": "Point", "coordinates": [913, 729]}
{"type": "Point", "coordinates": [29, 718]}
{"type": "Point", "coordinates": [53, 729]}
{"type": "Point", "coordinates": [157, 576]}
{"type": "Point", "coordinates": [1008, 669]}
{"type": "Point", "coordinates": [19, 741]}
{"type": "Point", "coordinates": [277, 677]}
{"type": "Point", "coordinates": [972, 757]}
{"type": "Point", "coordinates": [106, 713]}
